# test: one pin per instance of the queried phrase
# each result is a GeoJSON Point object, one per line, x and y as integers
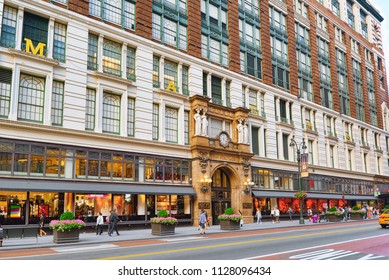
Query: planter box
{"type": "Point", "coordinates": [229, 225]}
{"type": "Point", "coordinates": [354, 216]}
{"type": "Point", "coordinates": [334, 218]}
{"type": "Point", "coordinates": [162, 229]}
{"type": "Point", "coordinates": [67, 236]}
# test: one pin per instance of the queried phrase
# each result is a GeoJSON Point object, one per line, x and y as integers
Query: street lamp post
{"type": "Point", "coordinates": [299, 148]}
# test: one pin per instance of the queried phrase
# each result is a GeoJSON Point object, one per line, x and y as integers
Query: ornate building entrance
{"type": "Point", "coordinates": [220, 194]}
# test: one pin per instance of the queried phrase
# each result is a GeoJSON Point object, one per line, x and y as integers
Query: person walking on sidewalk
{"type": "Point", "coordinates": [272, 215]}
{"type": "Point", "coordinates": [259, 216]}
{"type": "Point", "coordinates": [290, 212]}
{"type": "Point", "coordinates": [113, 221]}
{"type": "Point", "coordinates": [241, 220]}
{"type": "Point", "coordinates": [41, 225]}
{"type": "Point", "coordinates": [99, 224]}
{"type": "Point", "coordinates": [202, 222]}
{"type": "Point", "coordinates": [277, 214]}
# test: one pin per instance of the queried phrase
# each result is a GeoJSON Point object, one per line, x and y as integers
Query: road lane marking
{"type": "Point", "coordinates": [233, 244]}
{"type": "Point", "coordinates": [314, 247]}
{"type": "Point", "coordinates": [84, 248]}
{"type": "Point", "coordinates": [192, 238]}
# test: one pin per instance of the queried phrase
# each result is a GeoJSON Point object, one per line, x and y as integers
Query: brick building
{"type": "Point", "coordinates": [187, 104]}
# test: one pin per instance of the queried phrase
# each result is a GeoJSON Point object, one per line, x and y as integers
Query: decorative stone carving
{"type": "Point", "coordinates": [240, 131]}
{"type": "Point", "coordinates": [246, 166]}
{"type": "Point", "coordinates": [245, 132]}
{"type": "Point", "coordinates": [197, 118]}
{"type": "Point", "coordinates": [204, 124]}
{"type": "Point", "coordinates": [204, 161]}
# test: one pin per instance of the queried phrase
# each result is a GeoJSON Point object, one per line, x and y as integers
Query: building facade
{"type": "Point", "coordinates": [185, 105]}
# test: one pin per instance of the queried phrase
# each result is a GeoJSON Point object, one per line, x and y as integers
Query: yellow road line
{"type": "Point", "coordinates": [233, 244]}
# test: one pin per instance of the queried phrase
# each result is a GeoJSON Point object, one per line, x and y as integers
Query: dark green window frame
{"type": "Point", "coordinates": [186, 128]}
{"type": "Point", "coordinates": [36, 29]}
{"type": "Point", "coordinates": [185, 80]}
{"type": "Point", "coordinates": [31, 99]}
{"type": "Point", "coordinates": [131, 64]}
{"type": "Point", "coordinates": [57, 103]}
{"type": "Point", "coordinates": [131, 117]}
{"type": "Point", "coordinates": [111, 113]}
{"type": "Point", "coordinates": [156, 82]}
{"type": "Point", "coordinates": [93, 51]}
{"type": "Point", "coordinates": [112, 58]}
{"type": "Point", "coordinates": [5, 92]}
{"type": "Point", "coordinates": [171, 125]}
{"type": "Point", "coordinates": [59, 44]}
{"type": "Point", "coordinates": [90, 107]}
{"type": "Point", "coordinates": [155, 121]}
{"type": "Point", "coordinates": [8, 27]}
{"type": "Point", "coordinates": [170, 74]}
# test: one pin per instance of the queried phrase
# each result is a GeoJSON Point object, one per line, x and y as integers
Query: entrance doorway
{"type": "Point", "coordinates": [221, 194]}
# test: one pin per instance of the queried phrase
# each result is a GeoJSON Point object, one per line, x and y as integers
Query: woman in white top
{"type": "Point", "coordinates": [259, 216]}
{"type": "Point", "coordinates": [99, 224]}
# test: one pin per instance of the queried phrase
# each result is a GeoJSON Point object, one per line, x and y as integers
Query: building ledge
{"type": "Point", "coordinates": [39, 58]}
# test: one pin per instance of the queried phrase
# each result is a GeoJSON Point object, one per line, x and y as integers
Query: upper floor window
{"type": "Point", "coordinates": [31, 98]}
{"type": "Point", "coordinates": [335, 7]}
{"type": "Point", "coordinates": [350, 14]}
{"type": "Point", "coordinates": [5, 92]}
{"type": "Point", "coordinates": [301, 8]}
{"type": "Point", "coordinates": [321, 22]}
{"type": "Point", "coordinates": [171, 125]}
{"type": "Point", "coordinates": [354, 46]}
{"type": "Point", "coordinates": [339, 33]}
{"type": "Point", "coordinates": [170, 22]}
{"type": "Point", "coordinates": [214, 35]}
{"type": "Point", "coordinates": [111, 113]}
{"type": "Point", "coordinates": [112, 57]}
{"type": "Point", "coordinates": [120, 12]}
{"type": "Point", "coordinates": [216, 126]}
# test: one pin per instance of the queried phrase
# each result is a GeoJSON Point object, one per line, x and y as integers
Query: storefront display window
{"type": "Point", "coordinates": [50, 204]}
{"type": "Point", "coordinates": [284, 204]}
{"type": "Point", "coordinates": [87, 206]}
{"type": "Point", "coordinates": [12, 207]}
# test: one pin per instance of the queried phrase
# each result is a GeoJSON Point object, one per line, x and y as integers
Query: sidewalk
{"type": "Point", "coordinates": [138, 234]}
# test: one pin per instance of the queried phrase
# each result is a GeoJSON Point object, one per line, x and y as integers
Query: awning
{"type": "Point", "coordinates": [258, 193]}
{"type": "Point", "coordinates": [324, 195]}
{"type": "Point", "coordinates": [360, 197]}
{"type": "Point", "coordinates": [92, 187]}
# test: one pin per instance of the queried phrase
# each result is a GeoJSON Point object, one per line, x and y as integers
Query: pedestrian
{"type": "Point", "coordinates": [241, 219]}
{"type": "Point", "coordinates": [369, 212]}
{"type": "Point", "coordinates": [108, 223]}
{"type": "Point", "coordinates": [259, 216]}
{"type": "Point", "coordinates": [113, 220]}
{"type": "Point", "coordinates": [277, 214]}
{"type": "Point", "coordinates": [1, 236]}
{"type": "Point", "coordinates": [99, 224]}
{"type": "Point", "coordinates": [309, 214]}
{"type": "Point", "coordinates": [272, 215]}
{"type": "Point", "coordinates": [206, 218]}
{"type": "Point", "coordinates": [345, 214]}
{"type": "Point", "coordinates": [202, 222]}
{"type": "Point", "coordinates": [41, 225]}
{"type": "Point", "coordinates": [290, 212]}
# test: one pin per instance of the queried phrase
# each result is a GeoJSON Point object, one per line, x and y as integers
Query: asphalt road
{"type": "Point", "coordinates": [349, 241]}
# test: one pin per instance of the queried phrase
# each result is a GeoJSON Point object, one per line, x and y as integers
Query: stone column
{"type": "Point", "coordinates": [50, 38]}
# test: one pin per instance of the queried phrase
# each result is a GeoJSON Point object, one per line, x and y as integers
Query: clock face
{"type": "Point", "coordinates": [224, 139]}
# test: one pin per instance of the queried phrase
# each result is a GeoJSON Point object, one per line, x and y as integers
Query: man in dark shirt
{"type": "Point", "coordinates": [113, 223]}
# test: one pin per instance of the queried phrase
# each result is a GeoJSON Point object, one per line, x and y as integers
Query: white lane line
{"type": "Point", "coordinates": [84, 248]}
{"type": "Point", "coordinates": [183, 239]}
{"type": "Point", "coordinates": [314, 247]}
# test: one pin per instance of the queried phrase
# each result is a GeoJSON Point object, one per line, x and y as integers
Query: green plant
{"type": "Point", "coordinates": [229, 211]}
{"type": "Point", "coordinates": [356, 208]}
{"type": "Point", "coordinates": [386, 207]}
{"type": "Point", "coordinates": [162, 214]}
{"type": "Point", "coordinates": [332, 209]}
{"type": "Point", "coordinates": [63, 225]}
{"type": "Point", "coordinates": [232, 217]}
{"type": "Point", "coordinates": [164, 220]}
{"type": "Point", "coordinates": [66, 216]}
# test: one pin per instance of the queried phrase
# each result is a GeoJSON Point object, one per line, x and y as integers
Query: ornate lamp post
{"type": "Point", "coordinates": [300, 147]}
{"type": "Point", "coordinates": [248, 185]}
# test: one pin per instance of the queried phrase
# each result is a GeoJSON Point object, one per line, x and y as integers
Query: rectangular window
{"type": "Point", "coordinates": [5, 92]}
{"type": "Point", "coordinates": [156, 71]}
{"type": "Point", "coordinates": [59, 44]}
{"type": "Point", "coordinates": [228, 94]}
{"type": "Point", "coordinates": [186, 127]}
{"type": "Point", "coordinates": [131, 117]}
{"type": "Point", "coordinates": [350, 160]}
{"type": "Point", "coordinates": [170, 76]}
{"type": "Point", "coordinates": [118, 12]}
{"type": "Point", "coordinates": [90, 109]}
{"type": "Point", "coordinates": [285, 145]}
{"type": "Point", "coordinates": [185, 80]}
{"type": "Point", "coordinates": [310, 152]}
{"type": "Point", "coordinates": [332, 159]}
{"type": "Point", "coordinates": [35, 28]}
{"type": "Point", "coordinates": [111, 113]}
{"type": "Point", "coordinates": [57, 103]}
{"type": "Point", "coordinates": [131, 64]}
{"type": "Point", "coordinates": [31, 98]}
{"type": "Point", "coordinates": [171, 125]}
{"type": "Point", "coordinates": [112, 57]}
{"type": "Point", "coordinates": [216, 85]}
{"type": "Point", "coordinates": [92, 51]}
{"type": "Point", "coordinates": [255, 140]}
{"type": "Point", "coordinates": [155, 121]}
{"type": "Point", "coordinates": [8, 27]}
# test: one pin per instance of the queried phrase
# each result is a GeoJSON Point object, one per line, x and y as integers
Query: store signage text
{"type": "Point", "coordinates": [171, 86]}
{"type": "Point", "coordinates": [30, 48]}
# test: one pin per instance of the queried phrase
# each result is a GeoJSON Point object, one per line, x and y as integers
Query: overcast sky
{"type": "Point", "coordinates": [383, 7]}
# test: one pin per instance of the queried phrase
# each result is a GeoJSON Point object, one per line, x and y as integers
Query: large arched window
{"type": "Point", "coordinates": [111, 113]}
{"type": "Point", "coordinates": [31, 98]}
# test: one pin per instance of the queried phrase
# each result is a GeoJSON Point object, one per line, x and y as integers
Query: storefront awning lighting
{"type": "Point", "coordinates": [92, 187]}
{"type": "Point", "coordinates": [257, 193]}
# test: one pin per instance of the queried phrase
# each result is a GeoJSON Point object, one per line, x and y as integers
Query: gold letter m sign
{"type": "Point", "coordinates": [31, 49]}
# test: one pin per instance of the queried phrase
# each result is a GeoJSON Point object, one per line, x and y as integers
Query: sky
{"type": "Point", "coordinates": [383, 7]}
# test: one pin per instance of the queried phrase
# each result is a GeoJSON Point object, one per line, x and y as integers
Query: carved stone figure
{"type": "Point", "coordinates": [197, 118]}
{"type": "Point", "coordinates": [204, 124]}
{"type": "Point", "coordinates": [245, 133]}
{"type": "Point", "coordinates": [240, 131]}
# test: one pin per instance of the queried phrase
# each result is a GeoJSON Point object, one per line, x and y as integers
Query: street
{"type": "Point", "coordinates": [340, 241]}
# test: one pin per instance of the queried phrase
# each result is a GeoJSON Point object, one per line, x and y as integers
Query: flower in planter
{"type": "Point", "coordinates": [334, 211]}
{"type": "Point", "coordinates": [66, 222]}
{"type": "Point", "coordinates": [357, 210]}
{"type": "Point", "coordinates": [163, 219]}
{"type": "Point", "coordinates": [230, 216]}
{"type": "Point", "coordinates": [301, 195]}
